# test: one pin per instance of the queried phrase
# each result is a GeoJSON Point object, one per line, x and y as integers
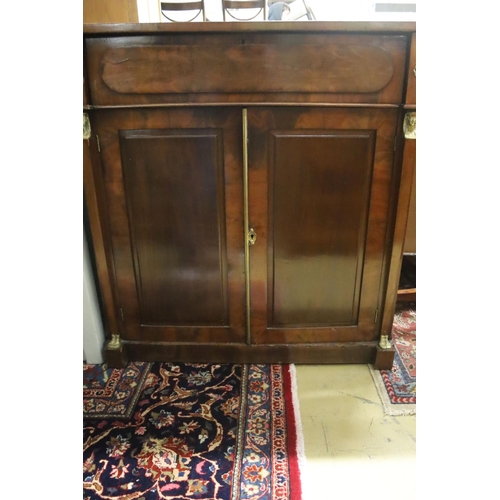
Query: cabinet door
{"type": "Point", "coordinates": [173, 187]}
{"type": "Point", "coordinates": [319, 190]}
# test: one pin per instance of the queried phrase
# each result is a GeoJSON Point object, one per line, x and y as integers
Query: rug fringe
{"type": "Point", "coordinates": [301, 454]}
{"type": "Point", "coordinates": [389, 408]}
{"type": "Point", "coordinates": [240, 438]}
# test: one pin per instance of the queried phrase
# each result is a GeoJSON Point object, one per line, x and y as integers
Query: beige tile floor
{"type": "Point", "coordinates": [352, 449]}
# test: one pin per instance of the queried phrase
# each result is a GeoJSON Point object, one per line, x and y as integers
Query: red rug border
{"type": "Point", "coordinates": [293, 459]}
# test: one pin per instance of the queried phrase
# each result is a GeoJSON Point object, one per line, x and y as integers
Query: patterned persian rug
{"type": "Point", "coordinates": [200, 431]}
{"type": "Point", "coordinates": [397, 388]}
{"type": "Point", "coordinates": [112, 392]}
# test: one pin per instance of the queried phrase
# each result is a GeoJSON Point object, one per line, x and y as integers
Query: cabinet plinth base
{"type": "Point", "coordinates": [115, 357]}
{"type": "Point", "coordinates": [339, 353]}
{"type": "Point", "coordinates": [384, 358]}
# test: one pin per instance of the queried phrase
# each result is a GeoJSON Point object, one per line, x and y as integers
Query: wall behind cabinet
{"type": "Point", "coordinates": [115, 11]}
{"type": "Point", "coordinates": [93, 332]}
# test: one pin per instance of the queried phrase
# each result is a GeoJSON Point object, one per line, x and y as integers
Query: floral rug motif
{"type": "Point", "coordinates": [398, 387]}
{"type": "Point", "coordinates": [112, 392]}
{"type": "Point", "coordinates": [200, 431]}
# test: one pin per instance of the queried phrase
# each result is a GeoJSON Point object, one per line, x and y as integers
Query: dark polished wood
{"type": "Point", "coordinates": [338, 68]}
{"type": "Point", "coordinates": [318, 200]}
{"type": "Point", "coordinates": [409, 295]}
{"type": "Point", "coordinates": [410, 244]}
{"type": "Point", "coordinates": [175, 208]}
{"type": "Point", "coordinates": [95, 200]}
{"type": "Point", "coordinates": [260, 67]}
{"type": "Point", "coordinates": [411, 87]}
{"type": "Point", "coordinates": [396, 258]}
{"type": "Point", "coordinates": [384, 359]}
{"type": "Point", "coordinates": [347, 353]}
{"type": "Point", "coordinates": [319, 196]}
{"type": "Point", "coordinates": [328, 188]}
{"type": "Point", "coordinates": [116, 358]}
{"type": "Point", "coordinates": [86, 99]}
{"type": "Point", "coordinates": [174, 185]}
{"type": "Point", "coordinates": [286, 27]}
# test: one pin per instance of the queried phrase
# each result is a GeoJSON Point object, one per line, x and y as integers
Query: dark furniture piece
{"type": "Point", "coordinates": [247, 188]}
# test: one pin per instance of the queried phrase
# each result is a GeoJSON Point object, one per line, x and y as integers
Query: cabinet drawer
{"type": "Point", "coordinates": [277, 68]}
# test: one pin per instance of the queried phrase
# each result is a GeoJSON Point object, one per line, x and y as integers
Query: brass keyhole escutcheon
{"type": "Point", "coordinates": [252, 236]}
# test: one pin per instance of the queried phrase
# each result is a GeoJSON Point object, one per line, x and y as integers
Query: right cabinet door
{"type": "Point", "coordinates": [320, 183]}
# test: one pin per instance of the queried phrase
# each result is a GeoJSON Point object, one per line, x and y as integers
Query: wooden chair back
{"type": "Point", "coordinates": [197, 5]}
{"type": "Point", "coordinates": [231, 7]}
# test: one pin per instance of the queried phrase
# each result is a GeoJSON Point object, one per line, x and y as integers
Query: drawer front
{"type": "Point", "coordinates": [272, 68]}
{"type": "Point", "coordinates": [411, 89]}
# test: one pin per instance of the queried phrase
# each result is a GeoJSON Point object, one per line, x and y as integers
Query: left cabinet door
{"type": "Point", "coordinates": [173, 182]}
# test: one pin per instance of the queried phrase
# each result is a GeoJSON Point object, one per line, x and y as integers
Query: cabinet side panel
{"type": "Point", "coordinates": [411, 89]}
{"type": "Point", "coordinates": [410, 244]}
{"type": "Point", "coordinates": [174, 191]}
{"type": "Point", "coordinates": [319, 200]}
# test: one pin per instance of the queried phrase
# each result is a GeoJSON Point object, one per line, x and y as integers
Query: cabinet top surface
{"type": "Point", "coordinates": [249, 27]}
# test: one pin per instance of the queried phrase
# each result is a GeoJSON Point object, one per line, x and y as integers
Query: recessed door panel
{"type": "Point", "coordinates": [319, 194]}
{"type": "Point", "coordinates": [175, 196]}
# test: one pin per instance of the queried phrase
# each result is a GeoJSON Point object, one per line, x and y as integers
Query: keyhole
{"type": "Point", "coordinates": [251, 237]}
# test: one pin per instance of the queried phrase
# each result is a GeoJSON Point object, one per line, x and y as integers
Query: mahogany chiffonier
{"type": "Point", "coordinates": [247, 187]}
